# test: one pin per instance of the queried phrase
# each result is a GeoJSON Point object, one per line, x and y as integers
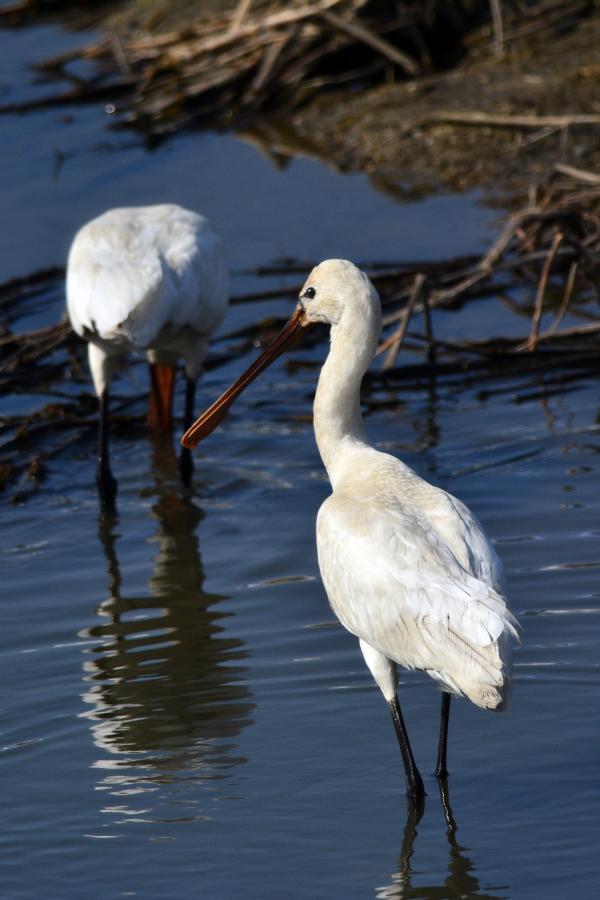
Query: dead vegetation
{"type": "Point", "coordinates": [495, 120]}
{"type": "Point", "coordinates": [229, 66]}
{"type": "Point", "coordinates": [418, 94]}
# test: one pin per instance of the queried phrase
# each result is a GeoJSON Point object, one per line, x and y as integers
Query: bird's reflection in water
{"type": "Point", "coordinates": [460, 883]}
{"type": "Point", "coordinates": [165, 683]}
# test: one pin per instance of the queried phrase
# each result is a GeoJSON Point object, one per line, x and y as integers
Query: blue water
{"type": "Point", "coordinates": [182, 716]}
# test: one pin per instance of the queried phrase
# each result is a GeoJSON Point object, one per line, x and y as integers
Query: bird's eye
{"type": "Point", "coordinates": [309, 293]}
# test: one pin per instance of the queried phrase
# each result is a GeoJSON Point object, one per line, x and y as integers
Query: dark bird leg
{"type": "Point", "coordinates": [107, 486]}
{"type": "Point", "coordinates": [414, 782]}
{"type": "Point", "coordinates": [186, 464]}
{"type": "Point", "coordinates": [448, 814]}
{"type": "Point", "coordinates": [441, 770]}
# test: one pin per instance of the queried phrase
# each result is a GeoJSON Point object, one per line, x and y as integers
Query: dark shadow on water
{"type": "Point", "coordinates": [460, 882]}
{"type": "Point", "coordinates": [166, 684]}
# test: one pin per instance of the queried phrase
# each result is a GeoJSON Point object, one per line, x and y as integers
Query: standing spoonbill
{"type": "Point", "coordinates": [151, 278]}
{"type": "Point", "coordinates": [406, 566]}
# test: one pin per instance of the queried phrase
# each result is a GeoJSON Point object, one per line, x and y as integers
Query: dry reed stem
{"type": "Point", "coordinates": [478, 119]}
{"type": "Point", "coordinates": [579, 174]}
{"type": "Point", "coordinates": [393, 344]}
{"type": "Point", "coordinates": [566, 300]}
{"type": "Point", "coordinates": [541, 291]}
{"type": "Point", "coordinates": [498, 27]}
{"type": "Point", "coordinates": [361, 33]}
{"type": "Point", "coordinates": [428, 325]}
{"type": "Point", "coordinates": [239, 16]}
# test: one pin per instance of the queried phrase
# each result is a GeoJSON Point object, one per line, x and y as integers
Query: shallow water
{"type": "Point", "coordinates": [182, 716]}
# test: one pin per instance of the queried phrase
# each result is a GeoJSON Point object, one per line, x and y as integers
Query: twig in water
{"type": "Point", "coordinates": [541, 291]}
{"type": "Point", "coordinates": [566, 298]}
{"type": "Point", "coordinates": [393, 344]}
{"type": "Point", "coordinates": [502, 242]}
{"type": "Point", "coordinates": [431, 353]}
{"type": "Point", "coordinates": [119, 55]}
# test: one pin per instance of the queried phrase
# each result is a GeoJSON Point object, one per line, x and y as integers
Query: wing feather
{"type": "Point", "coordinates": [394, 582]}
{"type": "Point", "coordinates": [133, 271]}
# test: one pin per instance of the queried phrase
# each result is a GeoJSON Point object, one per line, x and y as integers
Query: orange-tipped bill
{"type": "Point", "coordinates": [209, 420]}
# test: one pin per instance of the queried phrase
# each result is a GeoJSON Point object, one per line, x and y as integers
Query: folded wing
{"type": "Point", "coordinates": [394, 581]}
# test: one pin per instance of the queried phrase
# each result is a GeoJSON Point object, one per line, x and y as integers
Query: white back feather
{"type": "Point", "coordinates": [132, 271]}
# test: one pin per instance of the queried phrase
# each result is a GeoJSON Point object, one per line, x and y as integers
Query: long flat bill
{"type": "Point", "coordinates": [209, 420]}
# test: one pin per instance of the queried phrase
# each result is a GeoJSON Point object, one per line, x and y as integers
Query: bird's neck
{"type": "Point", "coordinates": [337, 417]}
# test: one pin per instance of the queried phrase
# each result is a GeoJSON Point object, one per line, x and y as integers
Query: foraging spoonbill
{"type": "Point", "coordinates": [150, 278]}
{"type": "Point", "coordinates": [406, 566]}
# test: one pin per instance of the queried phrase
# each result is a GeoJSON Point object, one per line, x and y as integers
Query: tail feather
{"type": "Point", "coordinates": [482, 674]}
{"type": "Point", "coordinates": [488, 687]}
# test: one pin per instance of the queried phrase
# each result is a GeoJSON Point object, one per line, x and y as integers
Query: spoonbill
{"type": "Point", "coordinates": [150, 278]}
{"type": "Point", "coordinates": [407, 567]}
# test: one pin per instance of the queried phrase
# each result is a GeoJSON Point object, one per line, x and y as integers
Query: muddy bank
{"type": "Point", "coordinates": [421, 96]}
{"type": "Point", "coordinates": [516, 116]}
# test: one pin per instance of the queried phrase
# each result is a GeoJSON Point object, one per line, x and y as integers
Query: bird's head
{"type": "Point", "coordinates": [337, 289]}
{"type": "Point", "coordinates": [336, 292]}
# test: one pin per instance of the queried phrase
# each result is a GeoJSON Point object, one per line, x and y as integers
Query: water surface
{"type": "Point", "coordinates": [182, 716]}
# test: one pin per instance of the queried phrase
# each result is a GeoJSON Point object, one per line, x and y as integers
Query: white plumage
{"type": "Point", "coordinates": [151, 279]}
{"type": "Point", "coordinates": [397, 584]}
{"type": "Point", "coordinates": [406, 566]}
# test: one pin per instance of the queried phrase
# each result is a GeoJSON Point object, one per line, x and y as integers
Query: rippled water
{"type": "Point", "coordinates": [182, 717]}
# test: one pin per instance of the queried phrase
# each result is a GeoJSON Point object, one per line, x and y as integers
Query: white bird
{"type": "Point", "coordinates": [150, 278]}
{"type": "Point", "coordinates": [406, 566]}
